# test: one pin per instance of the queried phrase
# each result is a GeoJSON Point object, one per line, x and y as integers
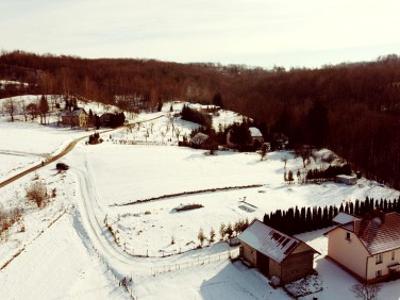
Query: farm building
{"type": "Point", "coordinates": [368, 248]}
{"type": "Point", "coordinates": [76, 118]}
{"type": "Point", "coordinates": [346, 179]}
{"type": "Point", "coordinates": [256, 136]}
{"type": "Point", "coordinates": [275, 254]}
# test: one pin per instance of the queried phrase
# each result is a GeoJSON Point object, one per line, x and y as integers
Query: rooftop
{"type": "Point", "coordinates": [269, 241]}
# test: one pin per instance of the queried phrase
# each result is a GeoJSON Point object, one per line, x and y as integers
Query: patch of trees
{"type": "Point", "coordinates": [95, 139]}
{"type": "Point", "coordinates": [298, 220]}
{"type": "Point", "coordinates": [352, 109]}
{"type": "Point", "coordinates": [116, 120]}
{"type": "Point", "coordinates": [239, 135]}
{"type": "Point", "coordinates": [328, 174]}
{"type": "Point", "coordinates": [193, 115]}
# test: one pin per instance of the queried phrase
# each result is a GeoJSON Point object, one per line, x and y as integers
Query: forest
{"type": "Point", "coordinates": [351, 108]}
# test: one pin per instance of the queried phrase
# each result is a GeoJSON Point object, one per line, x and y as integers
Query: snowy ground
{"type": "Point", "coordinates": [26, 143]}
{"type": "Point", "coordinates": [69, 236]}
{"type": "Point", "coordinates": [142, 172]}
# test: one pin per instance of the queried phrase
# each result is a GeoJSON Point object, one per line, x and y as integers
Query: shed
{"type": "Point", "coordinates": [346, 179]}
{"type": "Point", "coordinates": [343, 219]}
{"type": "Point", "coordinates": [256, 136]}
{"type": "Point", "coordinates": [275, 253]}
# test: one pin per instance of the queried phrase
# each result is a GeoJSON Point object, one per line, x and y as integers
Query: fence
{"type": "Point", "coordinates": [213, 258]}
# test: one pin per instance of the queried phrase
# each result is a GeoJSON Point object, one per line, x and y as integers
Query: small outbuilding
{"type": "Point", "coordinates": [346, 179]}
{"type": "Point", "coordinates": [343, 218]}
{"type": "Point", "coordinates": [256, 136]}
{"type": "Point", "coordinates": [275, 254]}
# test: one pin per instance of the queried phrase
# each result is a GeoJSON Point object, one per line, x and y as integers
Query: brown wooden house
{"type": "Point", "coordinates": [275, 253]}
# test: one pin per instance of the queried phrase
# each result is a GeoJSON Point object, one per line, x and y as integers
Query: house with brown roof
{"type": "Point", "coordinates": [275, 254]}
{"type": "Point", "coordinates": [368, 248]}
{"type": "Point", "coordinates": [76, 118]}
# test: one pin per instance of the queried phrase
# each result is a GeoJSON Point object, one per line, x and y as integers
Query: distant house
{"type": "Point", "coordinates": [275, 254]}
{"type": "Point", "coordinates": [256, 136]}
{"type": "Point", "coordinates": [346, 179]}
{"type": "Point", "coordinates": [367, 248]}
{"type": "Point", "coordinates": [76, 118]}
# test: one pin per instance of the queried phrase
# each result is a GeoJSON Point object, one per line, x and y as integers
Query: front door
{"type": "Point", "coordinates": [263, 263]}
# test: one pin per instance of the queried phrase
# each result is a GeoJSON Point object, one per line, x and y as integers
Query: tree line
{"type": "Point", "coordinates": [299, 220]}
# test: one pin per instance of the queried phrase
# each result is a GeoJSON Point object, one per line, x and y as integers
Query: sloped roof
{"type": "Point", "coordinates": [199, 138]}
{"type": "Point", "coordinates": [255, 132]}
{"type": "Point", "coordinates": [343, 218]}
{"type": "Point", "coordinates": [379, 235]}
{"type": "Point", "coordinates": [75, 112]}
{"type": "Point", "coordinates": [269, 241]}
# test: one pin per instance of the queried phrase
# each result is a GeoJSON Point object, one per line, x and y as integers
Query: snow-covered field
{"type": "Point", "coordinates": [26, 143]}
{"type": "Point", "coordinates": [124, 174]}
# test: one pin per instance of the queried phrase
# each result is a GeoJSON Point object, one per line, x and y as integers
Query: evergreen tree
{"type": "Point", "coordinates": [43, 109]}
{"type": "Point", "coordinates": [290, 176]}
{"type": "Point", "coordinates": [217, 100]}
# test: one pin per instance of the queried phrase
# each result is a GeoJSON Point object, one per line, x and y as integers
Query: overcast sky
{"type": "Point", "coordinates": [253, 32]}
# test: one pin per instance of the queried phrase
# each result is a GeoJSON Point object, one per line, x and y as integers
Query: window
{"type": "Point", "coordinates": [378, 258]}
{"type": "Point", "coordinates": [378, 273]}
{"type": "Point", "coordinates": [393, 255]}
{"type": "Point", "coordinates": [348, 236]}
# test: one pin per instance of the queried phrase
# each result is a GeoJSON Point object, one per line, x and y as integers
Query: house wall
{"type": "Point", "coordinates": [383, 267]}
{"type": "Point", "coordinates": [296, 266]}
{"type": "Point", "coordinates": [249, 254]}
{"type": "Point", "coordinates": [349, 253]}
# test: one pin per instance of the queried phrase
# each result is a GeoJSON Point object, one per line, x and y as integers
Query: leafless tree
{"type": "Point", "coordinates": [366, 291]}
{"type": "Point", "coordinates": [32, 109]}
{"type": "Point", "coordinates": [10, 108]}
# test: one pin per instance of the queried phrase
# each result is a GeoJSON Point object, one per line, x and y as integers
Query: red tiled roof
{"type": "Point", "coordinates": [380, 234]}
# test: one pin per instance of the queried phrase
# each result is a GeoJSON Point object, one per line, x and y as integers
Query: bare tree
{"type": "Point", "coordinates": [201, 237]}
{"type": "Point", "coordinates": [10, 108]}
{"type": "Point", "coordinates": [32, 109]}
{"type": "Point", "coordinates": [366, 291]}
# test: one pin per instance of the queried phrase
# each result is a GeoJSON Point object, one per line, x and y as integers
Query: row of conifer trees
{"type": "Point", "coordinates": [298, 220]}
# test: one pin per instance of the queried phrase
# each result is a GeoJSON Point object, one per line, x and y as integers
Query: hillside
{"type": "Point", "coordinates": [350, 108]}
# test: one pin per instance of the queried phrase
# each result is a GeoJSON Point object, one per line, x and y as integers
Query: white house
{"type": "Point", "coordinates": [368, 248]}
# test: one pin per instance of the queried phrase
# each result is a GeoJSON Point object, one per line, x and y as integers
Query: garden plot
{"type": "Point", "coordinates": [156, 228]}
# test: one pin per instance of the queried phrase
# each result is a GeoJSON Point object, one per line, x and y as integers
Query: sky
{"type": "Point", "coordinates": [289, 33]}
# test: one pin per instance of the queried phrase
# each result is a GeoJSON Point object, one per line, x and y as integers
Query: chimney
{"type": "Point", "coordinates": [356, 226]}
